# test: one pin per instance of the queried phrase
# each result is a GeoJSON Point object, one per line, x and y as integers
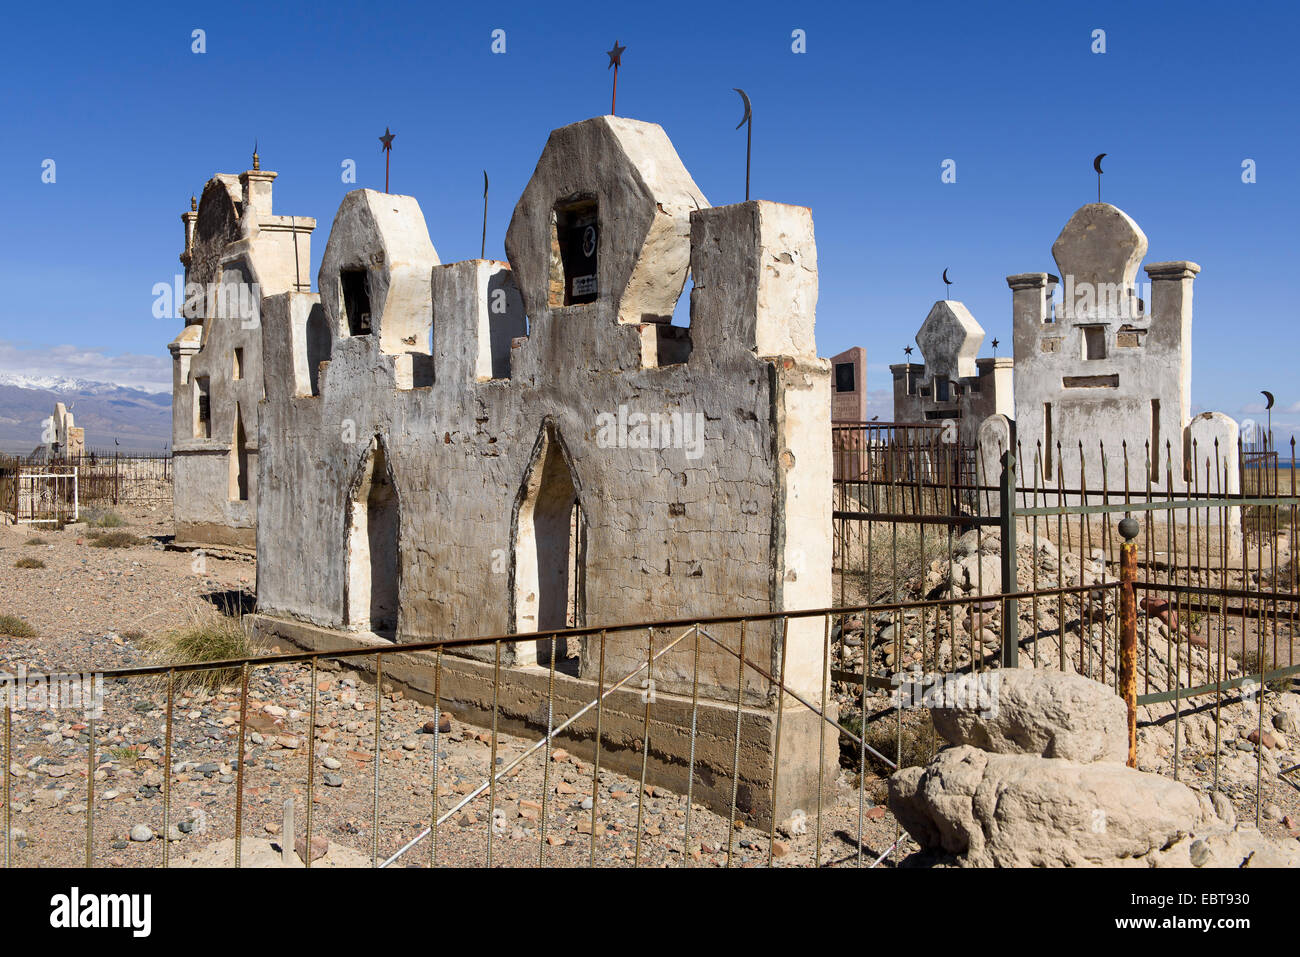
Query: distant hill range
{"type": "Point", "coordinates": [138, 420]}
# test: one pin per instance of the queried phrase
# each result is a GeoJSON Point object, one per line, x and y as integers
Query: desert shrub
{"type": "Point", "coordinates": [15, 627]}
{"type": "Point", "coordinates": [29, 563]}
{"type": "Point", "coordinates": [114, 540]}
{"type": "Point", "coordinates": [882, 734]}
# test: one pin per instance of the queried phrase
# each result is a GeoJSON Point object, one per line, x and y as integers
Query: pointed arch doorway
{"type": "Point", "coordinates": [373, 559]}
{"type": "Point", "coordinates": [550, 552]}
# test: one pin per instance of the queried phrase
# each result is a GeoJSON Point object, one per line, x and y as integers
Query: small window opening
{"type": "Point", "coordinates": [1094, 342]}
{"type": "Point", "coordinates": [356, 300]}
{"type": "Point", "coordinates": [845, 377]}
{"type": "Point", "coordinates": [576, 245]}
{"type": "Point", "coordinates": [202, 408]}
{"type": "Point", "coordinates": [239, 462]}
{"type": "Point", "coordinates": [237, 368]}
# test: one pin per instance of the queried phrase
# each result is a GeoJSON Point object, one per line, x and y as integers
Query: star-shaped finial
{"type": "Point", "coordinates": [907, 350]}
{"type": "Point", "coordinates": [995, 343]}
{"type": "Point", "coordinates": [615, 55]}
{"type": "Point", "coordinates": [387, 139]}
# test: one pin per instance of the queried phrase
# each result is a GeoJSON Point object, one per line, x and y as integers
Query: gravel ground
{"type": "Point", "coordinates": [94, 607]}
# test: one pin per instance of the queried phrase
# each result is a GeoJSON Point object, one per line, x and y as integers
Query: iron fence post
{"type": "Point", "coordinates": [1007, 514]}
{"type": "Point", "coordinates": [1129, 528]}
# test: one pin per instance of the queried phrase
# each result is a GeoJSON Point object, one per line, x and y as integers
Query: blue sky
{"type": "Point", "coordinates": [856, 128]}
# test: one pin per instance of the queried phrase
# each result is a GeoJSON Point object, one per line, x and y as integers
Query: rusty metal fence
{"type": "Point", "coordinates": [125, 478]}
{"type": "Point", "coordinates": [389, 844]}
{"type": "Point", "coordinates": [1036, 558]}
{"type": "Point", "coordinates": [53, 492]}
{"type": "Point", "coordinates": [879, 453]}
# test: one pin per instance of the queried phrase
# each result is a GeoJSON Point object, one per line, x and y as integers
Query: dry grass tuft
{"type": "Point", "coordinates": [107, 519]}
{"type": "Point", "coordinates": [1255, 663]}
{"type": "Point", "coordinates": [29, 563]}
{"type": "Point", "coordinates": [207, 636]}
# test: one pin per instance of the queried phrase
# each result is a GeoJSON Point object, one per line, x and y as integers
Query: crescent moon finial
{"type": "Point", "coordinates": [1269, 396]}
{"type": "Point", "coordinates": [1096, 162]}
{"type": "Point", "coordinates": [748, 110]}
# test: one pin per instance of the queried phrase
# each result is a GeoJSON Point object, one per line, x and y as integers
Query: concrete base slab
{"type": "Point", "coordinates": [208, 534]}
{"type": "Point", "coordinates": [466, 691]}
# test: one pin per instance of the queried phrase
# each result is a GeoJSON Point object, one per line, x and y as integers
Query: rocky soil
{"type": "Point", "coordinates": [93, 608]}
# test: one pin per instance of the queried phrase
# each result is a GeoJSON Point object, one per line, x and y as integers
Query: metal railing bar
{"type": "Point", "coordinates": [1168, 504]}
{"type": "Point", "coordinates": [1163, 697]}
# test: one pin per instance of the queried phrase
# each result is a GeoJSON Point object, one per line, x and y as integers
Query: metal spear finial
{"type": "Point", "coordinates": [615, 61]}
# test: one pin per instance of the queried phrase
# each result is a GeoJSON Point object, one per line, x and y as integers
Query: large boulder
{"type": "Point", "coordinates": [1047, 713]}
{"type": "Point", "coordinates": [1019, 810]}
{"type": "Point", "coordinates": [1036, 779]}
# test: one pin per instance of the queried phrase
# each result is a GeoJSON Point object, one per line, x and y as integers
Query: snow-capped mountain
{"type": "Point", "coordinates": [136, 419]}
{"type": "Point", "coordinates": [50, 383]}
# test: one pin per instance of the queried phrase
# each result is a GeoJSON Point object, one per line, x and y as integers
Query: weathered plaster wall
{"type": "Point", "coordinates": [735, 521]}
{"type": "Point", "coordinates": [236, 252]}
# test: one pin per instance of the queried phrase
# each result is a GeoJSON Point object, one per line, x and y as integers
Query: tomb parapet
{"type": "Point", "coordinates": [502, 448]}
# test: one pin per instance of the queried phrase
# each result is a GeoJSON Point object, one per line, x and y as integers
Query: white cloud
{"type": "Point", "coordinates": [880, 404]}
{"type": "Point", "coordinates": [152, 373]}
